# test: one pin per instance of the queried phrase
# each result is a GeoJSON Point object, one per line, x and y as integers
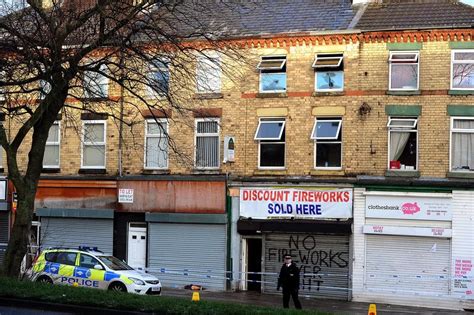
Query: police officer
{"type": "Point", "coordinates": [289, 280]}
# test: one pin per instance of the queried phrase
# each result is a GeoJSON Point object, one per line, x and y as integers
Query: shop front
{"type": "Point", "coordinates": [5, 219]}
{"type": "Point", "coordinates": [311, 224]}
{"type": "Point", "coordinates": [409, 247]}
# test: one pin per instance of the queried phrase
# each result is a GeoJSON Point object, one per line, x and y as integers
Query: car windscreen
{"type": "Point", "coordinates": [114, 263]}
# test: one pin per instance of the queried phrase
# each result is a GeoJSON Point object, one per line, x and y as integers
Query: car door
{"type": "Point", "coordinates": [91, 278]}
{"type": "Point", "coordinates": [66, 261]}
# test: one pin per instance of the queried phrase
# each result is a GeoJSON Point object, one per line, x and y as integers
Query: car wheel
{"type": "Point", "coordinates": [117, 287]}
{"type": "Point", "coordinates": [45, 279]}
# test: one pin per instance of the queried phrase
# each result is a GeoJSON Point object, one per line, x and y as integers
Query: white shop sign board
{"type": "Point", "coordinates": [125, 195]}
{"type": "Point", "coordinates": [463, 277]}
{"type": "Point", "coordinates": [407, 231]}
{"type": "Point", "coordinates": [268, 203]}
{"type": "Point", "coordinates": [409, 207]}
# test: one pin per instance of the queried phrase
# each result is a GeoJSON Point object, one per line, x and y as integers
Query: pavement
{"type": "Point", "coordinates": [324, 305]}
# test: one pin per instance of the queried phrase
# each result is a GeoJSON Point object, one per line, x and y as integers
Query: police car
{"type": "Point", "coordinates": [91, 268]}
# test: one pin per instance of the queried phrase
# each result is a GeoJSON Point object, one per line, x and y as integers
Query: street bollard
{"type": "Point", "coordinates": [195, 297]}
{"type": "Point", "coordinates": [372, 309]}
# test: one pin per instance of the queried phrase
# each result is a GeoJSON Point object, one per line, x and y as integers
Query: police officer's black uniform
{"type": "Point", "coordinates": [289, 280]}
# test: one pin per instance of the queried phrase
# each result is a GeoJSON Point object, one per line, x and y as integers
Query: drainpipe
{"type": "Point", "coordinates": [120, 144]}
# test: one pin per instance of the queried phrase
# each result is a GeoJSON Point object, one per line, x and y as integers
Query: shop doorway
{"type": "Point", "coordinates": [254, 264]}
{"type": "Point", "coordinates": [136, 247]}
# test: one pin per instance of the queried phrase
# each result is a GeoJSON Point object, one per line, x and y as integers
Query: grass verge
{"type": "Point", "coordinates": [26, 290]}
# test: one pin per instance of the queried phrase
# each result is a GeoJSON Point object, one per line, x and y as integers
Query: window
{"type": "Point", "coordinates": [45, 88]}
{"type": "Point", "coordinates": [329, 72]}
{"type": "Point", "coordinates": [66, 258]}
{"type": "Point", "coordinates": [158, 79]}
{"type": "Point", "coordinates": [93, 144]}
{"type": "Point", "coordinates": [404, 68]}
{"type": "Point", "coordinates": [156, 144]}
{"type": "Point", "coordinates": [207, 143]}
{"type": "Point", "coordinates": [96, 84]}
{"type": "Point", "coordinates": [462, 144]}
{"type": "Point", "coordinates": [328, 143]}
{"type": "Point", "coordinates": [462, 69]}
{"type": "Point", "coordinates": [271, 136]}
{"type": "Point", "coordinates": [52, 148]}
{"type": "Point", "coordinates": [87, 261]}
{"type": "Point", "coordinates": [208, 74]}
{"type": "Point", "coordinates": [2, 88]}
{"type": "Point", "coordinates": [403, 144]}
{"type": "Point", "coordinates": [272, 74]}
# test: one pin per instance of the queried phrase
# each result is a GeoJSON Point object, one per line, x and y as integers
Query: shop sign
{"type": "Point", "coordinates": [408, 207]}
{"type": "Point", "coordinates": [407, 230]}
{"type": "Point", "coordinates": [261, 203]}
{"type": "Point", "coordinates": [125, 195]}
{"type": "Point", "coordinates": [463, 277]}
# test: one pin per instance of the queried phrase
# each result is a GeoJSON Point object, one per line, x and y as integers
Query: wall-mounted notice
{"type": "Point", "coordinates": [463, 275]}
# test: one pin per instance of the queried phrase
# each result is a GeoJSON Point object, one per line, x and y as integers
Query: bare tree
{"type": "Point", "coordinates": [55, 51]}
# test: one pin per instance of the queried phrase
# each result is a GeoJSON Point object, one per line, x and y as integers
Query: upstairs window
{"type": "Point", "coordinates": [327, 136]}
{"type": "Point", "coordinates": [404, 68]}
{"type": "Point", "coordinates": [207, 143]}
{"type": "Point", "coordinates": [208, 74]}
{"type": "Point", "coordinates": [158, 79]}
{"type": "Point", "coordinates": [96, 84]}
{"type": "Point", "coordinates": [2, 88]}
{"type": "Point", "coordinates": [329, 72]}
{"type": "Point", "coordinates": [462, 69]}
{"type": "Point", "coordinates": [272, 74]}
{"type": "Point", "coordinates": [271, 136]}
{"type": "Point", "coordinates": [52, 148]}
{"type": "Point", "coordinates": [156, 143]}
{"type": "Point", "coordinates": [462, 144]}
{"type": "Point", "coordinates": [93, 144]}
{"type": "Point", "coordinates": [403, 144]}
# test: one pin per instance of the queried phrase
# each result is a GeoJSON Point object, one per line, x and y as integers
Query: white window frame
{"type": "Point", "coordinates": [84, 143]}
{"type": "Point", "coordinates": [314, 137]}
{"type": "Point", "coordinates": [58, 143]}
{"type": "Point", "coordinates": [196, 121]}
{"type": "Point", "coordinates": [327, 56]}
{"type": "Point", "coordinates": [3, 89]}
{"type": "Point", "coordinates": [106, 83]}
{"type": "Point", "coordinates": [452, 67]}
{"type": "Point", "coordinates": [284, 62]}
{"type": "Point", "coordinates": [262, 122]}
{"type": "Point", "coordinates": [272, 141]}
{"type": "Point", "coordinates": [408, 62]}
{"type": "Point", "coordinates": [212, 59]}
{"type": "Point", "coordinates": [455, 130]}
{"type": "Point", "coordinates": [329, 142]}
{"type": "Point", "coordinates": [166, 136]}
{"type": "Point", "coordinates": [160, 67]}
{"type": "Point", "coordinates": [413, 120]}
{"type": "Point", "coordinates": [403, 129]}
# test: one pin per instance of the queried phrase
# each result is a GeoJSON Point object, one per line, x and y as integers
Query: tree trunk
{"type": "Point", "coordinates": [17, 246]}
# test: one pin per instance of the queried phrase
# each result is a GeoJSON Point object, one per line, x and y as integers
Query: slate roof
{"type": "Point", "coordinates": [406, 14]}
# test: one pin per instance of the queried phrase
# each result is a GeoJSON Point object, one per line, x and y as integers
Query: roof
{"type": "Point", "coordinates": [420, 14]}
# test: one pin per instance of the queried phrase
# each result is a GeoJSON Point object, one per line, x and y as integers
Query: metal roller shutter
{"type": "Point", "coordinates": [74, 232]}
{"type": "Point", "coordinates": [4, 232]}
{"type": "Point", "coordinates": [198, 248]}
{"type": "Point", "coordinates": [323, 262]}
{"type": "Point", "coordinates": [407, 264]}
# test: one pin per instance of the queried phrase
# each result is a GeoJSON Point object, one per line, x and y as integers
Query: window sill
{"type": "Point", "coordinates": [156, 172]}
{"type": "Point", "coordinates": [404, 93]}
{"type": "Point", "coordinates": [207, 171]}
{"type": "Point", "coordinates": [272, 95]}
{"type": "Point", "coordinates": [335, 93]}
{"type": "Point", "coordinates": [208, 96]}
{"type": "Point", "coordinates": [271, 172]}
{"type": "Point", "coordinates": [321, 172]}
{"type": "Point", "coordinates": [461, 92]}
{"type": "Point", "coordinates": [467, 174]}
{"type": "Point", "coordinates": [400, 173]}
{"type": "Point", "coordinates": [50, 170]}
{"type": "Point", "coordinates": [92, 171]}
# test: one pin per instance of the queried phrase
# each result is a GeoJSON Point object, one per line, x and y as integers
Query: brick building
{"type": "Point", "coordinates": [371, 100]}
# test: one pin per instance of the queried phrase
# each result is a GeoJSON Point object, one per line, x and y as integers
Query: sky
{"type": "Point", "coordinates": [471, 2]}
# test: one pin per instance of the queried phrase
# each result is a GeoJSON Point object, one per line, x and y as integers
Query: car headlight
{"type": "Point", "coordinates": [137, 281]}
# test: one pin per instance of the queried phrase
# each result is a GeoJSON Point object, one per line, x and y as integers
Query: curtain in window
{"type": "Point", "coordinates": [207, 151]}
{"type": "Point", "coordinates": [398, 141]}
{"type": "Point", "coordinates": [157, 152]}
{"type": "Point", "coordinates": [463, 145]}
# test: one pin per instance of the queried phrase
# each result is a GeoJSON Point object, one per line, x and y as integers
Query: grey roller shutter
{"type": "Point", "coordinates": [198, 248]}
{"type": "Point", "coordinates": [4, 232]}
{"type": "Point", "coordinates": [407, 264]}
{"type": "Point", "coordinates": [74, 232]}
{"type": "Point", "coordinates": [323, 261]}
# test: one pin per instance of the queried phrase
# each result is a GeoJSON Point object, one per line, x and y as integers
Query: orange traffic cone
{"type": "Point", "coordinates": [372, 309]}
